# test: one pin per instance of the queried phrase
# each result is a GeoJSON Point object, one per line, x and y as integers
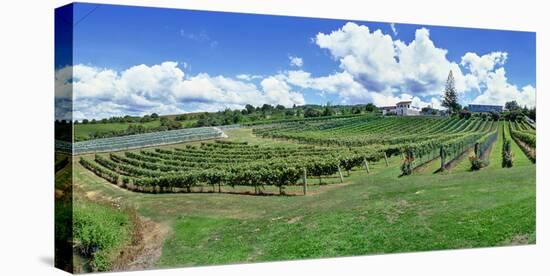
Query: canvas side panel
{"type": "Point", "coordinates": [63, 138]}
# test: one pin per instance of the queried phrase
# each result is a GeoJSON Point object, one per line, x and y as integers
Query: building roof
{"type": "Point", "coordinates": [404, 102]}
{"type": "Point", "coordinates": [489, 105]}
{"type": "Point", "coordinates": [388, 107]}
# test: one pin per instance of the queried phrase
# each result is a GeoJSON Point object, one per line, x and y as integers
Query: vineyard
{"type": "Point", "coordinates": [420, 139]}
{"type": "Point", "coordinates": [317, 149]}
{"type": "Point", "coordinates": [345, 179]}
{"type": "Point", "coordinates": [225, 163]}
{"type": "Point", "coordinates": [525, 136]}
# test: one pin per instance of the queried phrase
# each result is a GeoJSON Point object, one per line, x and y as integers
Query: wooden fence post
{"type": "Point", "coordinates": [305, 181]}
{"type": "Point", "coordinates": [366, 165]}
{"type": "Point", "coordinates": [442, 155]}
{"type": "Point", "coordinates": [386, 158]}
{"type": "Point", "coordinates": [340, 172]}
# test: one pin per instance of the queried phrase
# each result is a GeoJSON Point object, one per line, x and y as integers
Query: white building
{"type": "Point", "coordinates": [387, 110]}
{"type": "Point", "coordinates": [405, 108]}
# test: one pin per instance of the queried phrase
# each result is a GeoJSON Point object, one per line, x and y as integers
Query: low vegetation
{"type": "Point", "coordinates": [99, 233]}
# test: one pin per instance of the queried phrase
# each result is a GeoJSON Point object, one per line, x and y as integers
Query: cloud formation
{"type": "Point", "coordinates": [381, 69]}
{"type": "Point", "coordinates": [393, 29]}
{"type": "Point", "coordinates": [372, 67]}
{"type": "Point", "coordinates": [164, 88]}
{"type": "Point", "coordinates": [296, 61]}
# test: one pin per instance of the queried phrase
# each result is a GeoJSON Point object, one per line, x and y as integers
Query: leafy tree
{"type": "Point", "coordinates": [495, 116]}
{"type": "Point", "coordinates": [328, 111]}
{"type": "Point", "coordinates": [512, 106]}
{"type": "Point", "coordinates": [465, 114]}
{"type": "Point", "coordinates": [450, 97]}
{"type": "Point", "coordinates": [290, 112]}
{"type": "Point", "coordinates": [370, 107]}
{"type": "Point", "coordinates": [356, 110]}
{"type": "Point", "coordinates": [85, 121]}
{"type": "Point", "coordinates": [311, 112]}
{"type": "Point", "coordinates": [280, 107]}
{"type": "Point", "coordinates": [266, 107]}
{"type": "Point", "coordinates": [533, 114]}
{"type": "Point", "coordinates": [154, 115]}
{"type": "Point", "coordinates": [182, 117]}
{"type": "Point", "coordinates": [249, 108]}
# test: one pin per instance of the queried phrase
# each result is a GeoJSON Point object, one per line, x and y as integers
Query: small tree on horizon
{"type": "Point", "coordinates": [450, 97]}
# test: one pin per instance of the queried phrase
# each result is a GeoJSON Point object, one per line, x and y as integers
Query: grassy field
{"type": "Point", "coordinates": [83, 131]}
{"type": "Point", "coordinates": [369, 214]}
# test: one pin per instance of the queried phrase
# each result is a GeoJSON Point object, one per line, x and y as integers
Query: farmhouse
{"type": "Point", "coordinates": [484, 108]}
{"type": "Point", "coordinates": [387, 110]}
{"type": "Point", "coordinates": [405, 108]}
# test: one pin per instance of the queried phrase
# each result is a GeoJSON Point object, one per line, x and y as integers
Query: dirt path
{"type": "Point", "coordinates": [146, 247]}
{"type": "Point", "coordinates": [147, 238]}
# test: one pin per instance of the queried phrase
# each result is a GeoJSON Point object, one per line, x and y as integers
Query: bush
{"type": "Point", "coordinates": [99, 231]}
{"type": "Point", "coordinates": [507, 156]}
{"type": "Point", "coordinates": [477, 163]}
{"type": "Point", "coordinates": [407, 166]}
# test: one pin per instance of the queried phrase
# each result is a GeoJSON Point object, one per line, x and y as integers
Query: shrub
{"type": "Point", "coordinates": [477, 163]}
{"type": "Point", "coordinates": [407, 166]}
{"type": "Point", "coordinates": [98, 231]}
{"type": "Point", "coordinates": [507, 156]}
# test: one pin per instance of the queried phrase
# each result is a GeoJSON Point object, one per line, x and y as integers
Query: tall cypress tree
{"type": "Point", "coordinates": [450, 97]}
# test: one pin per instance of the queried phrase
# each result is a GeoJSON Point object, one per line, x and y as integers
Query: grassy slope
{"type": "Point", "coordinates": [378, 213]}
{"type": "Point", "coordinates": [82, 131]}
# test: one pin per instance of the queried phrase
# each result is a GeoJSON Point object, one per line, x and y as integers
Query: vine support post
{"type": "Point", "coordinates": [366, 165]}
{"type": "Point", "coordinates": [305, 181]}
{"type": "Point", "coordinates": [340, 172]}
{"type": "Point", "coordinates": [442, 155]}
{"type": "Point", "coordinates": [386, 159]}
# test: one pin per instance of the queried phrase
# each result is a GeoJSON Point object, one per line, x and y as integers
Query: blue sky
{"type": "Point", "coordinates": [195, 60]}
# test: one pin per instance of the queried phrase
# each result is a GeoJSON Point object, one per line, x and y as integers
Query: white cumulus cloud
{"type": "Point", "coordinates": [296, 61]}
{"type": "Point", "coordinates": [164, 88]}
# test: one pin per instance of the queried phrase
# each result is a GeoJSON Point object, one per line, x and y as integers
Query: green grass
{"type": "Point", "coordinates": [495, 157]}
{"type": "Point", "coordinates": [83, 131]}
{"type": "Point", "coordinates": [376, 213]}
{"type": "Point", "coordinates": [101, 229]}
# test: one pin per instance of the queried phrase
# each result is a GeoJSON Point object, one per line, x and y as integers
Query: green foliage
{"type": "Point", "coordinates": [407, 166]}
{"type": "Point", "coordinates": [527, 138]}
{"type": "Point", "coordinates": [450, 96]}
{"type": "Point", "coordinates": [477, 163]}
{"type": "Point", "coordinates": [507, 156]}
{"type": "Point", "coordinates": [99, 231]}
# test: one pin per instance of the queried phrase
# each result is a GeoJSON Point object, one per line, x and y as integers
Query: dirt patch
{"type": "Point", "coordinates": [295, 219]}
{"type": "Point", "coordinates": [396, 210]}
{"type": "Point", "coordinates": [326, 187]}
{"type": "Point", "coordinates": [520, 239]}
{"type": "Point", "coordinates": [146, 247]}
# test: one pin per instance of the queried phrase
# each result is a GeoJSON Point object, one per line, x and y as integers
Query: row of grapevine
{"type": "Point", "coordinates": [507, 156]}
{"type": "Point", "coordinates": [481, 150]}
{"type": "Point", "coordinates": [525, 137]}
{"type": "Point", "coordinates": [448, 148]}
{"type": "Point", "coordinates": [162, 170]}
